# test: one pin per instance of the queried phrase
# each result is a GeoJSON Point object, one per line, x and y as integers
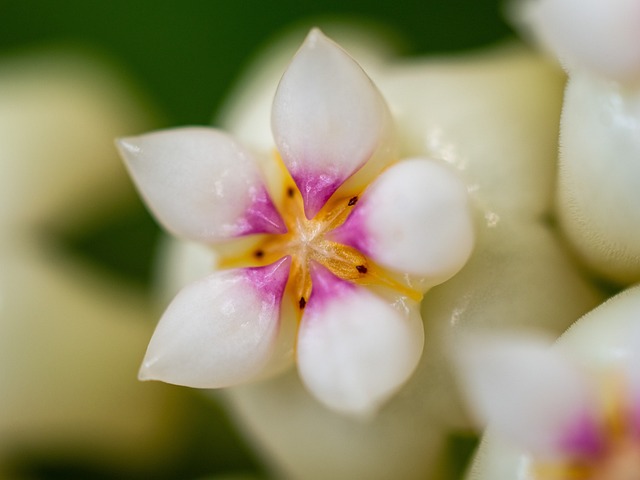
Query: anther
{"type": "Point", "coordinates": [352, 201]}
{"type": "Point", "coordinates": [361, 268]}
{"type": "Point", "coordinates": [302, 303]}
{"type": "Point", "coordinates": [290, 192]}
{"type": "Point", "coordinates": [259, 253]}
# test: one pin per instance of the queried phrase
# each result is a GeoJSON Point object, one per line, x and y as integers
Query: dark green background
{"type": "Point", "coordinates": [185, 56]}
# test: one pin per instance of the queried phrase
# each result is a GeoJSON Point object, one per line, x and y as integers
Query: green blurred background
{"type": "Point", "coordinates": [187, 54]}
{"type": "Point", "coordinates": [184, 57]}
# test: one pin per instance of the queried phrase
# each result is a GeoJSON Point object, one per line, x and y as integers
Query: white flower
{"type": "Point", "coordinates": [571, 411]}
{"type": "Point", "coordinates": [492, 115]}
{"type": "Point", "coordinates": [598, 42]}
{"type": "Point", "coordinates": [338, 249]}
{"type": "Point", "coordinates": [600, 36]}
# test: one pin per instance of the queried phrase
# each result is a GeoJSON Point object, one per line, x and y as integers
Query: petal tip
{"type": "Point", "coordinates": [315, 36]}
{"type": "Point", "coordinates": [144, 374]}
{"type": "Point", "coordinates": [127, 146]}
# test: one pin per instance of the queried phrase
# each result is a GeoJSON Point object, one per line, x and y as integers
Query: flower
{"type": "Point", "coordinates": [518, 273]}
{"type": "Point", "coordinates": [571, 411]}
{"type": "Point", "coordinates": [601, 37]}
{"type": "Point", "coordinates": [598, 43]}
{"type": "Point", "coordinates": [339, 246]}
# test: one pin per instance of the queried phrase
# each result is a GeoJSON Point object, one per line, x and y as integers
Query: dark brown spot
{"type": "Point", "coordinates": [352, 201]}
{"type": "Point", "coordinates": [290, 192]}
{"type": "Point", "coordinates": [302, 303]}
{"type": "Point", "coordinates": [259, 253]}
{"type": "Point", "coordinates": [361, 268]}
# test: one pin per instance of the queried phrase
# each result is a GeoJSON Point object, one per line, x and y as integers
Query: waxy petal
{"type": "Point", "coordinates": [355, 349]}
{"type": "Point", "coordinates": [415, 219]}
{"type": "Point", "coordinates": [530, 395]}
{"type": "Point", "coordinates": [328, 119]}
{"type": "Point", "coordinates": [219, 331]}
{"type": "Point", "coordinates": [598, 192]}
{"type": "Point", "coordinates": [201, 184]}
{"type": "Point", "coordinates": [602, 36]}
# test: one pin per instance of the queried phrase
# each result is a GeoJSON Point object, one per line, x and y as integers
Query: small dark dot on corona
{"type": "Point", "coordinates": [352, 201]}
{"type": "Point", "coordinates": [361, 268]}
{"type": "Point", "coordinates": [302, 303]}
{"type": "Point", "coordinates": [259, 253]}
{"type": "Point", "coordinates": [290, 192]}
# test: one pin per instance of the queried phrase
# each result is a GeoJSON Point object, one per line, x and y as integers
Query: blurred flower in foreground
{"type": "Point", "coordinates": [567, 412]}
{"type": "Point", "coordinates": [493, 116]}
{"type": "Point", "coordinates": [598, 42]}
{"type": "Point", "coordinates": [352, 247]}
{"type": "Point", "coordinates": [69, 336]}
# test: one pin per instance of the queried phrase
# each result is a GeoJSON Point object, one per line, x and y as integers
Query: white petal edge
{"type": "Point", "coordinates": [200, 184]}
{"type": "Point", "coordinates": [601, 36]}
{"type": "Point", "coordinates": [219, 331]}
{"type": "Point", "coordinates": [356, 349]}
{"type": "Point", "coordinates": [415, 219]}
{"type": "Point", "coordinates": [529, 394]}
{"type": "Point", "coordinates": [328, 119]}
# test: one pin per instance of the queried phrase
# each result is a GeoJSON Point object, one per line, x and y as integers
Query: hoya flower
{"type": "Point", "coordinates": [600, 36]}
{"type": "Point", "coordinates": [567, 412]}
{"type": "Point", "coordinates": [517, 274]}
{"type": "Point", "coordinates": [338, 247]}
{"type": "Point", "coordinates": [598, 42]}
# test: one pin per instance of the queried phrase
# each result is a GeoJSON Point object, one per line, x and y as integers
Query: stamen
{"type": "Point", "coordinates": [310, 241]}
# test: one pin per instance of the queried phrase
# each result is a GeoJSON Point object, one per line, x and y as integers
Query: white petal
{"type": "Point", "coordinates": [400, 442]}
{"type": "Point", "coordinates": [607, 342]}
{"type": "Point", "coordinates": [328, 119]}
{"type": "Point", "coordinates": [530, 395]}
{"type": "Point", "coordinates": [603, 342]}
{"type": "Point", "coordinates": [219, 331]}
{"type": "Point", "coordinates": [598, 190]}
{"type": "Point", "coordinates": [201, 184]}
{"type": "Point", "coordinates": [355, 350]}
{"type": "Point", "coordinates": [493, 116]}
{"type": "Point", "coordinates": [603, 36]}
{"type": "Point", "coordinates": [414, 219]}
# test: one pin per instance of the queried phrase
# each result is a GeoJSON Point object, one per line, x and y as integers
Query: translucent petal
{"type": "Point", "coordinates": [493, 116]}
{"type": "Point", "coordinates": [400, 442]}
{"type": "Point", "coordinates": [219, 331]}
{"type": "Point", "coordinates": [602, 36]}
{"type": "Point", "coordinates": [607, 342]}
{"type": "Point", "coordinates": [201, 184]}
{"type": "Point", "coordinates": [604, 344]}
{"type": "Point", "coordinates": [414, 219]}
{"type": "Point", "coordinates": [598, 192]}
{"type": "Point", "coordinates": [328, 119]}
{"type": "Point", "coordinates": [530, 395]}
{"type": "Point", "coordinates": [356, 349]}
